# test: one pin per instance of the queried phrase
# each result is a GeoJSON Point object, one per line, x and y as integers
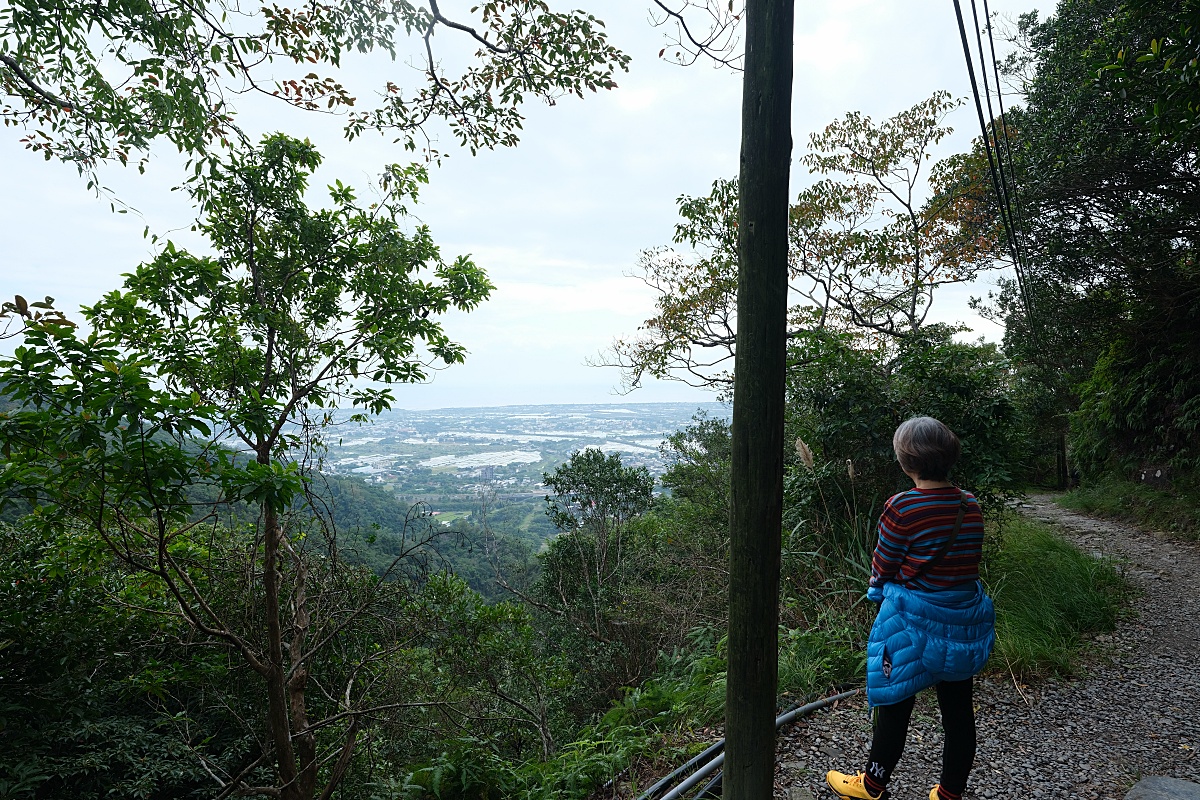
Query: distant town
{"type": "Point", "coordinates": [448, 457]}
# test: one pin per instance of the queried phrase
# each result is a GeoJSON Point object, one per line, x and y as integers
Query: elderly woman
{"type": "Point", "coordinates": [935, 625]}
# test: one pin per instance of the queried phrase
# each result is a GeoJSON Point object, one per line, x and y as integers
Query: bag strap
{"type": "Point", "coordinates": [946, 545]}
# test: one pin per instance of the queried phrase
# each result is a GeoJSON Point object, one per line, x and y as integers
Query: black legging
{"type": "Point", "coordinates": [958, 723]}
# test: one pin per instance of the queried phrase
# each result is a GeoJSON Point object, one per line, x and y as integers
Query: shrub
{"type": "Point", "coordinates": [1142, 402]}
{"type": "Point", "coordinates": [845, 402]}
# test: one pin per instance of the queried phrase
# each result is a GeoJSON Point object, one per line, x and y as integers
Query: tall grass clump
{"type": "Point", "coordinates": [471, 768]}
{"type": "Point", "coordinates": [1049, 596]}
{"type": "Point", "coordinates": [829, 557]}
{"type": "Point", "coordinates": [828, 539]}
{"type": "Point", "coordinates": [688, 689]}
{"type": "Point", "coordinates": [816, 660]}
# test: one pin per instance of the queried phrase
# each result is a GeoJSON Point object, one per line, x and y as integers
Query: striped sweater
{"type": "Point", "coordinates": [912, 528]}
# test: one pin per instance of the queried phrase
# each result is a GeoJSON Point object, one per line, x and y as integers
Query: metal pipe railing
{"type": "Point", "coordinates": [704, 768]}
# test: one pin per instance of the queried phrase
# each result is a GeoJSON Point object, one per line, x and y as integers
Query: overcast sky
{"type": "Point", "coordinates": [557, 222]}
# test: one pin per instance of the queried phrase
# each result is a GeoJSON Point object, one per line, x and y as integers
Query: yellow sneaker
{"type": "Point", "coordinates": [933, 795]}
{"type": "Point", "coordinates": [850, 787]}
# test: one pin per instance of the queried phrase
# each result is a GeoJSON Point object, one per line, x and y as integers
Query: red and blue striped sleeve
{"type": "Point", "coordinates": [892, 545]}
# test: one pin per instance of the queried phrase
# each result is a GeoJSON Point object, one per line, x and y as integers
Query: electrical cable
{"type": "Point", "coordinates": [712, 788]}
{"type": "Point", "coordinates": [695, 778]}
{"type": "Point", "coordinates": [692, 764]}
{"type": "Point", "coordinates": [1023, 251]}
{"type": "Point", "coordinates": [783, 719]}
{"type": "Point", "coordinates": [987, 145]}
{"type": "Point", "coordinates": [1009, 231]}
{"type": "Point", "coordinates": [987, 13]}
{"type": "Point", "coordinates": [1008, 180]}
{"type": "Point", "coordinates": [994, 141]}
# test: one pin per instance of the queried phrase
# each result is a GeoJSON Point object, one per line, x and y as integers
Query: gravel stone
{"type": "Point", "coordinates": [1163, 788]}
{"type": "Point", "coordinates": [1129, 713]}
{"type": "Point", "coordinates": [1157, 788]}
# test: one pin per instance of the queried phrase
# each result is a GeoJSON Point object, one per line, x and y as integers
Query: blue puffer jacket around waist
{"type": "Point", "coordinates": [922, 638]}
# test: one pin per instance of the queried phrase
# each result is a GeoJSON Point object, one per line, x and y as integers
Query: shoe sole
{"type": "Point", "coordinates": [840, 796]}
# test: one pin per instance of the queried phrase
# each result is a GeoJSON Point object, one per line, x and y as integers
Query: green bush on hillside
{"type": "Point", "coordinates": [1141, 404]}
{"type": "Point", "coordinates": [845, 400]}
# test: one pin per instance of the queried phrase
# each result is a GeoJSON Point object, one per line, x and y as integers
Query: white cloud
{"type": "Point", "coordinates": [637, 99]}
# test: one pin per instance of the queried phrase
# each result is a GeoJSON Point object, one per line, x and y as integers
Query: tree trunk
{"type": "Point", "coordinates": [303, 739]}
{"type": "Point", "coordinates": [758, 401]}
{"type": "Point", "coordinates": [278, 724]}
{"type": "Point", "coordinates": [1063, 477]}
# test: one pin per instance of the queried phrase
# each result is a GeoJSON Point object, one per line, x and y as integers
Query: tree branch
{"type": "Point", "coordinates": [28, 80]}
{"type": "Point", "coordinates": [723, 27]}
{"type": "Point", "coordinates": [458, 26]}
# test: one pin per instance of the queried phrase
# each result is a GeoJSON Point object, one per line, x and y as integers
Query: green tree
{"type": "Point", "coordinates": [866, 248]}
{"type": "Point", "coordinates": [84, 706]}
{"type": "Point", "coordinates": [495, 666]}
{"type": "Point", "coordinates": [848, 422]}
{"type": "Point", "coordinates": [686, 536]}
{"type": "Point", "coordinates": [698, 470]}
{"type": "Point", "coordinates": [1150, 53]}
{"type": "Point", "coordinates": [297, 310]}
{"type": "Point", "coordinates": [1109, 208]}
{"type": "Point", "coordinates": [593, 499]}
{"type": "Point", "coordinates": [93, 82]}
{"type": "Point", "coordinates": [881, 277]}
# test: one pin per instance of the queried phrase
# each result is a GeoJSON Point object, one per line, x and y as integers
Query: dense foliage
{"type": "Point", "coordinates": [868, 245]}
{"type": "Point", "coordinates": [92, 82]}
{"type": "Point", "coordinates": [116, 432]}
{"type": "Point", "coordinates": [1107, 166]}
{"type": "Point", "coordinates": [847, 400]}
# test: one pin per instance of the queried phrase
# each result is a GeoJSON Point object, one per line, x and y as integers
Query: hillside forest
{"type": "Point", "coordinates": [192, 605]}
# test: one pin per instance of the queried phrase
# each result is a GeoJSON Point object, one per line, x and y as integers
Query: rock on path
{"type": "Point", "coordinates": [1132, 711]}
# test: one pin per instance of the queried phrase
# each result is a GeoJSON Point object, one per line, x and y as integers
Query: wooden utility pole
{"type": "Point", "coordinates": [758, 399]}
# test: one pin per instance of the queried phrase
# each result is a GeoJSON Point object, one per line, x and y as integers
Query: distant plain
{"type": "Point", "coordinates": [448, 457]}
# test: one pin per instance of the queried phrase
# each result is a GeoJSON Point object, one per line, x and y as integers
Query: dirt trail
{"type": "Point", "coordinates": [1131, 712]}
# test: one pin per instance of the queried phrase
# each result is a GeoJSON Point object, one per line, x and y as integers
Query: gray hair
{"type": "Point", "coordinates": [926, 448]}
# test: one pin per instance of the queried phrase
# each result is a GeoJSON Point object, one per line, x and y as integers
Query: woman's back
{"type": "Point", "coordinates": [912, 529]}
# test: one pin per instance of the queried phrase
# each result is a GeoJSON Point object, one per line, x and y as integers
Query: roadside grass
{"type": "Point", "coordinates": [680, 711]}
{"type": "Point", "coordinates": [1176, 510]}
{"type": "Point", "coordinates": [1049, 597]}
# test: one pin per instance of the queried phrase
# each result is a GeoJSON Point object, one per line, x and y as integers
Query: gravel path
{"type": "Point", "coordinates": [1131, 713]}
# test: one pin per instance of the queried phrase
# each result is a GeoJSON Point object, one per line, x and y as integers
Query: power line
{"type": "Point", "coordinates": [984, 129]}
{"type": "Point", "coordinates": [1012, 164]}
{"type": "Point", "coordinates": [993, 149]}
{"type": "Point", "coordinates": [1008, 179]}
{"type": "Point", "coordinates": [1005, 179]}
